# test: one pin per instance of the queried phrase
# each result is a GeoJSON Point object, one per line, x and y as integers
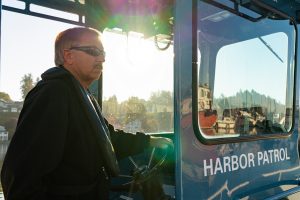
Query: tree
{"type": "Point", "coordinates": [4, 96]}
{"type": "Point", "coordinates": [160, 101]}
{"type": "Point", "coordinates": [160, 104]}
{"type": "Point", "coordinates": [110, 106]}
{"type": "Point", "coordinates": [134, 109]}
{"type": "Point", "coordinates": [161, 98]}
{"type": "Point", "coordinates": [26, 84]}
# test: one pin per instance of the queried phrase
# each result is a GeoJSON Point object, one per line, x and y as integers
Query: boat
{"type": "Point", "coordinates": [226, 123]}
{"type": "Point", "coordinates": [206, 115]}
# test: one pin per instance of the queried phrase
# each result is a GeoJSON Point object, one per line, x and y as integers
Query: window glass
{"type": "Point", "coordinates": [137, 83]}
{"type": "Point", "coordinates": [27, 50]}
{"type": "Point", "coordinates": [245, 76]}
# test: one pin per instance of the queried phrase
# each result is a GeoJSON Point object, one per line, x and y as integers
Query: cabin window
{"type": "Point", "coordinates": [247, 74]}
{"type": "Point", "coordinates": [137, 83]}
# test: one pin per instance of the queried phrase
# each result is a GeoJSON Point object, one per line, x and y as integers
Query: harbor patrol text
{"type": "Point", "coordinates": [236, 162]}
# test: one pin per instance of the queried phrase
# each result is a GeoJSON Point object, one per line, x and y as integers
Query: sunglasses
{"type": "Point", "coordinates": [90, 50]}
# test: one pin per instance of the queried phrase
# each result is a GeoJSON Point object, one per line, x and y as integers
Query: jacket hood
{"type": "Point", "coordinates": [56, 72]}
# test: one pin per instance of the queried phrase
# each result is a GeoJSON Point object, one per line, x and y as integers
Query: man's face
{"type": "Point", "coordinates": [86, 63]}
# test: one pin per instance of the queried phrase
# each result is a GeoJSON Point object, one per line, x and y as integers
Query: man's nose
{"type": "Point", "coordinates": [100, 58]}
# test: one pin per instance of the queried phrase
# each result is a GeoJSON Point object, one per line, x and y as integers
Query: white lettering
{"type": "Point", "coordinates": [251, 160]}
{"type": "Point", "coordinates": [234, 163]}
{"type": "Point", "coordinates": [259, 157]}
{"type": "Point", "coordinates": [266, 158]}
{"type": "Point", "coordinates": [226, 163]}
{"type": "Point", "coordinates": [218, 166]}
{"type": "Point", "coordinates": [243, 161]}
{"type": "Point", "coordinates": [208, 167]}
{"type": "Point", "coordinates": [276, 155]}
{"type": "Point", "coordinates": [286, 154]}
{"type": "Point", "coordinates": [282, 154]}
{"type": "Point", "coordinates": [271, 155]}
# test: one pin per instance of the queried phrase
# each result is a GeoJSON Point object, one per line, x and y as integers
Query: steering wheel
{"type": "Point", "coordinates": [140, 173]}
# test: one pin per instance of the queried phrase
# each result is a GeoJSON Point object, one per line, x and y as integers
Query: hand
{"type": "Point", "coordinates": [161, 142]}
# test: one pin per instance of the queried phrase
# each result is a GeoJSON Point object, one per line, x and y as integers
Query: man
{"type": "Point", "coordinates": [63, 148]}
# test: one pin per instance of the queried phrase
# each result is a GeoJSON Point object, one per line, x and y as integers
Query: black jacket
{"type": "Point", "coordinates": [55, 153]}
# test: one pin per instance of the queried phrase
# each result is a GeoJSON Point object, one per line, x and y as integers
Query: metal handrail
{"type": "Point", "coordinates": [284, 193]}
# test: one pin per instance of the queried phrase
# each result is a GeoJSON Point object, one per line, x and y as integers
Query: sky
{"type": "Point", "coordinates": [132, 62]}
{"type": "Point", "coordinates": [28, 47]}
{"type": "Point", "coordinates": [135, 67]}
{"type": "Point", "coordinates": [254, 69]}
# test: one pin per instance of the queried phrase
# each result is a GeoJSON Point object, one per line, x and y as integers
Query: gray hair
{"type": "Point", "coordinates": [69, 38]}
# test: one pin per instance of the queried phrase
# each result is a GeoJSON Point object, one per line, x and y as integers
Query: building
{"type": "Point", "coordinates": [3, 134]}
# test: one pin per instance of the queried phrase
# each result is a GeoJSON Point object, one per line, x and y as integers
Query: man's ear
{"type": "Point", "coordinates": [68, 57]}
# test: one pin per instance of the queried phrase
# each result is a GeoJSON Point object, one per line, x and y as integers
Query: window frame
{"type": "Point", "coordinates": [195, 72]}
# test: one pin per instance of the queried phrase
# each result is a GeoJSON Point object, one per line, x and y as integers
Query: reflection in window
{"type": "Point", "coordinates": [250, 94]}
{"type": "Point", "coordinates": [245, 83]}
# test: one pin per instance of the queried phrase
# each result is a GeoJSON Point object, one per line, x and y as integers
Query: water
{"type": "Point", "coordinates": [3, 149]}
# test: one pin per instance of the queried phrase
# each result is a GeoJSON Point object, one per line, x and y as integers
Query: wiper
{"type": "Point", "coordinates": [270, 48]}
